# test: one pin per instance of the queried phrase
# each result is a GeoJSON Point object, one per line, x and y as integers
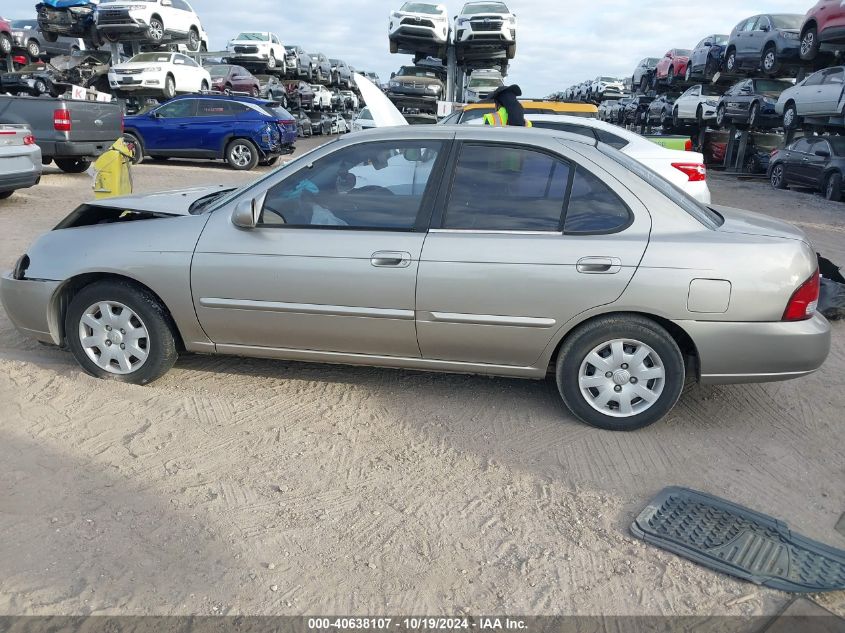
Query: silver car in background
{"type": "Point", "coordinates": [20, 159]}
{"type": "Point", "coordinates": [541, 251]}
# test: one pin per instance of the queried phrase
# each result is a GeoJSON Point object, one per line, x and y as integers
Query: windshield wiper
{"type": "Point", "coordinates": [197, 207]}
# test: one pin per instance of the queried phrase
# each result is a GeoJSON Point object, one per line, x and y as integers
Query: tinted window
{"type": "Point", "coordinates": [815, 79]}
{"type": "Point", "coordinates": [565, 127]}
{"type": "Point", "coordinates": [367, 186]}
{"type": "Point", "coordinates": [802, 145]}
{"type": "Point", "coordinates": [181, 5]}
{"type": "Point", "coordinates": [506, 189]}
{"type": "Point", "coordinates": [593, 207]}
{"type": "Point", "coordinates": [178, 109]}
{"type": "Point", "coordinates": [749, 26]}
{"type": "Point", "coordinates": [212, 108]}
{"type": "Point", "coordinates": [616, 142]}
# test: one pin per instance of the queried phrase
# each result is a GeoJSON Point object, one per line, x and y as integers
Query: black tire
{"type": "Point", "coordinates": [810, 44]}
{"type": "Point", "coordinates": [721, 116]}
{"type": "Point", "coordinates": [50, 36]}
{"type": "Point", "coordinates": [194, 42]}
{"type": "Point", "coordinates": [731, 65]}
{"type": "Point", "coordinates": [753, 114]}
{"type": "Point", "coordinates": [670, 76]}
{"type": "Point", "coordinates": [169, 87]}
{"type": "Point", "coordinates": [5, 44]}
{"type": "Point", "coordinates": [134, 143]}
{"type": "Point", "coordinates": [778, 177]}
{"type": "Point", "coordinates": [269, 162]}
{"type": "Point", "coordinates": [511, 52]}
{"type": "Point", "coordinates": [711, 67]}
{"type": "Point", "coordinates": [699, 117]}
{"type": "Point", "coordinates": [159, 345]}
{"type": "Point", "coordinates": [204, 86]}
{"type": "Point", "coordinates": [155, 30]}
{"type": "Point", "coordinates": [160, 159]}
{"type": "Point", "coordinates": [790, 116]}
{"type": "Point", "coordinates": [688, 72]}
{"type": "Point", "coordinates": [644, 84]}
{"type": "Point", "coordinates": [833, 187]}
{"type": "Point", "coordinates": [271, 61]}
{"type": "Point", "coordinates": [394, 47]}
{"type": "Point", "coordinates": [40, 87]}
{"type": "Point", "coordinates": [6, 194]}
{"type": "Point", "coordinates": [72, 165]}
{"type": "Point", "coordinates": [254, 92]}
{"type": "Point", "coordinates": [33, 49]}
{"type": "Point", "coordinates": [227, 89]}
{"type": "Point", "coordinates": [769, 63]}
{"type": "Point", "coordinates": [676, 122]}
{"type": "Point", "coordinates": [241, 154]}
{"type": "Point", "coordinates": [595, 336]}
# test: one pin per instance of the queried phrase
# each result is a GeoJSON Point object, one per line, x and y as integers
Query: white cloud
{"type": "Point", "coordinates": [559, 43]}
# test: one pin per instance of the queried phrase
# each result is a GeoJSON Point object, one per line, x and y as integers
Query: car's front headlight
{"type": "Point", "coordinates": [511, 20]}
{"type": "Point", "coordinates": [435, 88]}
{"type": "Point", "coordinates": [712, 102]}
{"type": "Point", "coordinates": [789, 35]}
{"type": "Point", "coordinates": [394, 84]}
{"type": "Point", "coordinates": [153, 69]}
{"type": "Point", "coordinates": [462, 21]}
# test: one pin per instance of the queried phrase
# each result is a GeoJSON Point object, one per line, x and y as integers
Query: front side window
{"type": "Point", "coordinates": [500, 188]}
{"type": "Point", "coordinates": [835, 76]}
{"type": "Point", "coordinates": [802, 146]}
{"type": "Point", "coordinates": [178, 109]}
{"type": "Point", "coordinates": [376, 186]}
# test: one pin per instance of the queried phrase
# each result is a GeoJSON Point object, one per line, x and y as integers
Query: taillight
{"type": "Point", "coordinates": [29, 140]}
{"type": "Point", "coordinates": [285, 121]}
{"type": "Point", "coordinates": [688, 145]}
{"type": "Point", "coordinates": [696, 172]}
{"type": "Point", "coordinates": [61, 120]}
{"type": "Point", "coordinates": [805, 301]}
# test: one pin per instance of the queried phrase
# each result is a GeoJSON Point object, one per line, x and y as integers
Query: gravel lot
{"type": "Point", "coordinates": [257, 487]}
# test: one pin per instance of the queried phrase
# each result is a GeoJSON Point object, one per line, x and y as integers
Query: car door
{"type": "Point", "coordinates": [511, 261]}
{"type": "Point", "coordinates": [331, 265]}
{"type": "Point", "coordinates": [208, 129]}
{"type": "Point", "coordinates": [168, 128]}
{"type": "Point", "coordinates": [180, 16]}
{"type": "Point", "coordinates": [829, 93]}
{"type": "Point", "coordinates": [698, 57]}
{"type": "Point", "coordinates": [808, 95]}
{"type": "Point", "coordinates": [815, 164]}
{"type": "Point", "coordinates": [688, 102]}
{"type": "Point", "coordinates": [796, 166]}
{"type": "Point", "coordinates": [740, 100]}
{"type": "Point", "coordinates": [757, 40]}
{"type": "Point", "coordinates": [745, 54]}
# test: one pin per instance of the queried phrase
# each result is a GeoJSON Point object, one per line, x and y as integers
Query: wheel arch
{"type": "Point", "coordinates": [684, 341]}
{"type": "Point", "coordinates": [64, 294]}
{"type": "Point", "coordinates": [810, 23]}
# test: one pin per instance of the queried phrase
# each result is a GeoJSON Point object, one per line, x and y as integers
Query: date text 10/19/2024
{"type": "Point", "coordinates": [418, 624]}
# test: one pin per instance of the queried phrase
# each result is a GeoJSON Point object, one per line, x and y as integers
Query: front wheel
{"type": "Point", "coordinates": [120, 331]}
{"type": "Point", "coordinates": [688, 72]}
{"type": "Point", "coordinates": [731, 63]}
{"type": "Point", "coordinates": [73, 165]}
{"type": "Point", "coordinates": [778, 177]}
{"type": "Point", "coordinates": [134, 145]}
{"type": "Point", "coordinates": [810, 44]}
{"type": "Point", "coordinates": [754, 114]}
{"type": "Point", "coordinates": [790, 117]}
{"type": "Point", "coordinates": [155, 31]}
{"type": "Point", "coordinates": [271, 61]}
{"type": "Point", "coordinates": [194, 40]}
{"type": "Point", "coordinates": [5, 44]}
{"type": "Point", "coordinates": [242, 155]}
{"type": "Point", "coordinates": [620, 373]}
{"type": "Point", "coordinates": [169, 87]}
{"type": "Point", "coordinates": [33, 49]}
{"type": "Point", "coordinates": [721, 116]}
{"type": "Point", "coordinates": [833, 187]}
{"type": "Point", "coordinates": [50, 36]}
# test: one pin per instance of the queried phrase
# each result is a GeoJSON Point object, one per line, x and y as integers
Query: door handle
{"type": "Point", "coordinates": [390, 259]}
{"type": "Point", "coordinates": [599, 265]}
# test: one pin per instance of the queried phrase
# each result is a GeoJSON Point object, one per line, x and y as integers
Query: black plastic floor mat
{"type": "Point", "coordinates": [737, 541]}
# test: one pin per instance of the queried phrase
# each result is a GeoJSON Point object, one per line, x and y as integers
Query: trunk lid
{"type": "Point", "coordinates": [94, 120]}
{"type": "Point", "coordinates": [750, 223]}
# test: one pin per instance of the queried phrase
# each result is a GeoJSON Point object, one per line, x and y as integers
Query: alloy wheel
{"type": "Point", "coordinates": [241, 155]}
{"type": "Point", "coordinates": [114, 337]}
{"type": "Point", "coordinates": [789, 118]}
{"type": "Point", "coordinates": [808, 43]}
{"type": "Point", "coordinates": [156, 30]}
{"type": "Point", "coordinates": [622, 378]}
{"type": "Point", "coordinates": [769, 60]}
{"type": "Point", "coordinates": [777, 177]}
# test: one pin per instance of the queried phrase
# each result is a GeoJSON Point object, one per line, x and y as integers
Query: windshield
{"type": "Point", "coordinates": [770, 87]}
{"type": "Point", "coordinates": [414, 71]}
{"type": "Point", "coordinates": [254, 37]}
{"type": "Point", "coordinates": [710, 91]}
{"type": "Point", "coordinates": [420, 7]}
{"type": "Point", "coordinates": [144, 58]}
{"type": "Point", "coordinates": [485, 7]}
{"type": "Point", "coordinates": [719, 39]}
{"type": "Point", "coordinates": [485, 82]}
{"type": "Point", "coordinates": [607, 79]}
{"type": "Point", "coordinates": [24, 24]}
{"type": "Point", "coordinates": [787, 21]}
{"type": "Point", "coordinates": [218, 71]}
{"type": "Point", "coordinates": [703, 214]}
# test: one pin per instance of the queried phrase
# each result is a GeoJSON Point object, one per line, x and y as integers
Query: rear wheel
{"type": "Point", "coordinates": [688, 72]}
{"type": "Point", "coordinates": [241, 154]}
{"type": "Point", "coordinates": [39, 87]}
{"type": "Point", "coordinates": [620, 373]}
{"type": "Point", "coordinates": [120, 331]}
{"type": "Point", "coordinates": [394, 47]}
{"type": "Point", "coordinates": [670, 77]}
{"type": "Point", "coordinates": [254, 92]}
{"type": "Point", "coordinates": [73, 165]}
{"type": "Point", "coordinates": [169, 87]}
{"type": "Point", "coordinates": [754, 114]}
{"type": "Point", "coordinates": [721, 116]}
{"type": "Point", "coordinates": [790, 117]}
{"type": "Point", "coordinates": [5, 44]}
{"type": "Point", "coordinates": [699, 117]}
{"type": "Point", "coordinates": [50, 36]}
{"type": "Point", "coordinates": [810, 44]}
{"type": "Point", "coordinates": [155, 31]}
{"type": "Point", "coordinates": [778, 177]}
{"type": "Point", "coordinates": [833, 187]}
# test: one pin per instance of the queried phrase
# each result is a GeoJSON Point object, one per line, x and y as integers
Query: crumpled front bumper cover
{"type": "Point", "coordinates": [28, 303]}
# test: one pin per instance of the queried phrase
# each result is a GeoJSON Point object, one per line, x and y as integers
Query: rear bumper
{"type": "Point", "coordinates": [76, 149]}
{"type": "Point", "coordinates": [13, 182]}
{"type": "Point", "coordinates": [27, 302]}
{"type": "Point", "coordinates": [758, 352]}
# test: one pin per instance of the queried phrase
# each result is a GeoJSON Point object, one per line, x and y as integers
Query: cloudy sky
{"type": "Point", "coordinates": [560, 42]}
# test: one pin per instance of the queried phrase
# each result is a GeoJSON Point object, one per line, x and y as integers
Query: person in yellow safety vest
{"type": "Point", "coordinates": [509, 111]}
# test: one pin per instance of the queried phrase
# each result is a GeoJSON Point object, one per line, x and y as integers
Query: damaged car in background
{"type": "Point", "coordinates": [88, 69]}
{"type": "Point", "coordinates": [344, 256]}
{"type": "Point", "coordinates": [69, 18]}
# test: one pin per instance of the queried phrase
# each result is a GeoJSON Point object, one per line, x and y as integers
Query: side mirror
{"type": "Point", "coordinates": [246, 213]}
{"type": "Point", "coordinates": [392, 75]}
{"type": "Point", "coordinates": [823, 153]}
{"type": "Point", "coordinates": [708, 44]}
{"type": "Point", "coordinates": [765, 29]}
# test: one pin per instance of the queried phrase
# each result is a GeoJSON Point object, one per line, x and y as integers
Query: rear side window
{"type": "Point", "coordinates": [507, 189]}
{"type": "Point", "coordinates": [593, 207]}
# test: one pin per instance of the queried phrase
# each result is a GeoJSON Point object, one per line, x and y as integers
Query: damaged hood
{"type": "Point", "coordinates": [165, 203]}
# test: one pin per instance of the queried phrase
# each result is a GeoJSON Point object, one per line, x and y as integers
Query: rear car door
{"type": "Point", "coordinates": [213, 124]}
{"type": "Point", "coordinates": [332, 264]}
{"type": "Point", "coordinates": [527, 238]}
{"type": "Point", "coordinates": [829, 94]}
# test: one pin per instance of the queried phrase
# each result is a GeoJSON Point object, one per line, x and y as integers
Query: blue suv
{"type": "Point", "coordinates": [243, 131]}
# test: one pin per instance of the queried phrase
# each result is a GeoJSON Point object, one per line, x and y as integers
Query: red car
{"type": "Point", "coordinates": [5, 38]}
{"type": "Point", "coordinates": [824, 24]}
{"type": "Point", "coordinates": [228, 78]}
{"type": "Point", "coordinates": [672, 67]}
{"type": "Point", "coordinates": [300, 94]}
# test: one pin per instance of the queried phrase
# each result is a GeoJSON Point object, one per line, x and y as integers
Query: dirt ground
{"type": "Point", "coordinates": [236, 486]}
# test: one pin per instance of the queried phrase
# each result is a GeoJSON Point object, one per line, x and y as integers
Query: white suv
{"type": "Point", "coordinates": [155, 21]}
{"type": "Point", "coordinates": [322, 97]}
{"type": "Point", "coordinates": [607, 88]}
{"type": "Point", "coordinates": [486, 24]}
{"type": "Point", "coordinates": [257, 48]}
{"type": "Point", "coordinates": [419, 26]}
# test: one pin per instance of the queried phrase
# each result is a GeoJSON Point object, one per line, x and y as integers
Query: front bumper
{"type": "Point", "coordinates": [144, 82]}
{"type": "Point", "coordinates": [123, 22]}
{"type": "Point", "coordinates": [470, 35]}
{"type": "Point", "coordinates": [28, 304]}
{"type": "Point", "coordinates": [65, 21]}
{"type": "Point", "coordinates": [758, 352]}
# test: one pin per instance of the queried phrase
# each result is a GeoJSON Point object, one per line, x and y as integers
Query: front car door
{"type": "Point", "coordinates": [687, 103]}
{"type": "Point", "coordinates": [168, 129]}
{"type": "Point", "coordinates": [745, 54]}
{"type": "Point", "coordinates": [331, 265]}
{"type": "Point", "coordinates": [795, 169]}
{"type": "Point", "coordinates": [526, 238]}
{"type": "Point", "coordinates": [815, 165]}
{"type": "Point", "coordinates": [740, 100]}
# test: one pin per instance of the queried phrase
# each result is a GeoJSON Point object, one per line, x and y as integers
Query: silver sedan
{"type": "Point", "coordinates": [509, 251]}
